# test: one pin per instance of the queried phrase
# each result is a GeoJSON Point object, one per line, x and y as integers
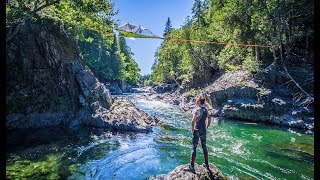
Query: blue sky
{"type": "Point", "coordinates": [151, 14]}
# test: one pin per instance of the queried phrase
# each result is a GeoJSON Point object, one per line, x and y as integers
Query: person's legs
{"type": "Point", "coordinates": [204, 148]}
{"type": "Point", "coordinates": [195, 141]}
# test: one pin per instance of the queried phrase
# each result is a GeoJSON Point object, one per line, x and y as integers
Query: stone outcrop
{"type": "Point", "coordinates": [94, 93]}
{"type": "Point", "coordinates": [163, 88]}
{"type": "Point", "coordinates": [114, 88]}
{"type": "Point", "coordinates": [200, 172]}
{"type": "Point", "coordinates": [42, 88]}
{"type": "Point", "coordinates": [122, 115]}
{"type": "Point", "coordinates": [126, 88]}
{"type": "Point", "coordinates": [48, 84]}
{"type": "Point", "coordinates": [260, 98]}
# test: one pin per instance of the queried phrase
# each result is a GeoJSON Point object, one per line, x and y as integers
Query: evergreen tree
{"type": "Point", "coordinates": [168, 27]}
{"type": "Point", "coordinates": [197, 11]}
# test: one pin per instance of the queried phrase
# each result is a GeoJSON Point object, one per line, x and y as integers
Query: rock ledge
{"type": "Point", "coordinates": [200, 173]}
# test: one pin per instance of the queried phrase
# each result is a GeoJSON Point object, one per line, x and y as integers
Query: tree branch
{"type": "Point", "coordinates": [17, 29]}
{"type": "Point", "coordinates": [44, 6]}
{"type": "Point", "coordinates": [287, 73]}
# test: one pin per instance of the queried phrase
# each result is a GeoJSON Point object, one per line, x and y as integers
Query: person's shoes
{"type": "Point", "coordinates": [206, 166]}
{"type": "Point", "coordinates": [189, 168]}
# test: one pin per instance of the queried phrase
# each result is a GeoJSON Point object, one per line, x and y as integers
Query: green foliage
{"type": "Point", "coordinates": [193, 92]}
{"type": "Point", "coordinates": [100, 55]}
{"type": "Point", "coordinates": [110, 59]}
{"type": "Point", "coordinates": [73, 14]}
{"type": "Point", "coordinates": [130, 70]}
{"type": "Point", "coordinates": [146, 80]}
{"type": "Point", "coordinates": [230, 67]}
{"type": "Point", "coordinates": [266, 22]}
{"type": "Point", "coordinates": [251, 65]}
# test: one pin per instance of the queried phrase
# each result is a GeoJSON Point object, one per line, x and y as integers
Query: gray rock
{"type": "Point", "coordinates": [114, 88]}
{"type": "Point", "coordinates": [282, 91]}
{"type": "Point", "coordinates": [270, 76]}
{"type": "Point", "coordinates": [262, 98]}
{"type": "Point", "coordinates": [126, 88]}
{"type": "Point", "coordinates": [201, 172]}
{"type": "Point", "coordinates": [34, 120]}
{"type": "Point", "coordinates": [163, 88]}
{"type": "Point", "coordinates": [175, 102]}
{"type": "Point", "coordinates": [92, 88]}
{"type": "Point", "coordinates": [123, 116]}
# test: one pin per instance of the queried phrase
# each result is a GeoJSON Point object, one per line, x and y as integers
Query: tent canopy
{"type": "Point", "coordinates": [136, 31]}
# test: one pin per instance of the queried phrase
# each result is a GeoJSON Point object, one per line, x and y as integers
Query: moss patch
{"type": "Point", "coordinates": [27, 169]}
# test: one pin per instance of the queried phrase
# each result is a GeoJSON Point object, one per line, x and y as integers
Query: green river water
{"type": "Point", "coordinates": [241, 150]}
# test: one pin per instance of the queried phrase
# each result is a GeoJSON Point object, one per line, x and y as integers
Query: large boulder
{"type": "Point", "coordinates": [126, 88]}
{"type": "Point", "coordinates": [122, 116]}
{"type": "Point", "coordinates": [114, 88]}
{"type": "Point", "coordinates": [92, 89]}
{"type": "Point", "coordinates": [238, 84]}
{"type": "Point", "coordinates": [201, 172]}
{"type": "Point", "coordinates": [260, 98]}
{"type": "Point", "coordinates": [163, 88]}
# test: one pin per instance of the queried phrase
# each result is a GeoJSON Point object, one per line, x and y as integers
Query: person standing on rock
{"type": "Point", "coordinates": [200, 123]}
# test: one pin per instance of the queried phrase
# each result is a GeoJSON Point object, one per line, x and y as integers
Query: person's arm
{"type": "Point", "coordinates": [193, 124]}
{"type": "Point", "coordinates": [209, 121]}
{"type": "Point", "coordinates": [194, 120]}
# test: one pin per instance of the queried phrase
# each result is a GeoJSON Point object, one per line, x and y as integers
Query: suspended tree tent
{"type": "Point", "coordinates": [136, 31]}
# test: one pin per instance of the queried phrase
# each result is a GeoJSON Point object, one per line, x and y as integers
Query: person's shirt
{"type": "Point", "coordinates": [196, 111]}
{"type": "Point", "coordinates": [198, 114]}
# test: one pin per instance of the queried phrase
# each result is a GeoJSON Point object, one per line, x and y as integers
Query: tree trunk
{"type": "Point", "coordinates": [258, 54]}
{"type": "Point", "coordinates": [280, 40]}
{"type": "Point", "coordinates": [253, 49]}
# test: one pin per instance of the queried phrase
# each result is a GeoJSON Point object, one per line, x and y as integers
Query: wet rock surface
{"type": "Point", "coordinates": [122, 116]}
{"type": "Point", "coordinates": [200, 172]}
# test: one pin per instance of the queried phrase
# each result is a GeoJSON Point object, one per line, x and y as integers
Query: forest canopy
{"type": "Point", "coordinates": [285, 24]}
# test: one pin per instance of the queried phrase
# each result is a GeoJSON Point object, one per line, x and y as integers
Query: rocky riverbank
{"type": "Point", "coordinates": [239, 95]}
{"type": "Point", "coordinates": [200, 172]}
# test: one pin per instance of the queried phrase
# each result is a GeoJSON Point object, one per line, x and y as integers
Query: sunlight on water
{"type": "Point", "coordinates": [241, 150]}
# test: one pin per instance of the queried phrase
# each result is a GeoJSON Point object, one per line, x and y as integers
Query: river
{"type": "Point", "coordinates": [241, 150]}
